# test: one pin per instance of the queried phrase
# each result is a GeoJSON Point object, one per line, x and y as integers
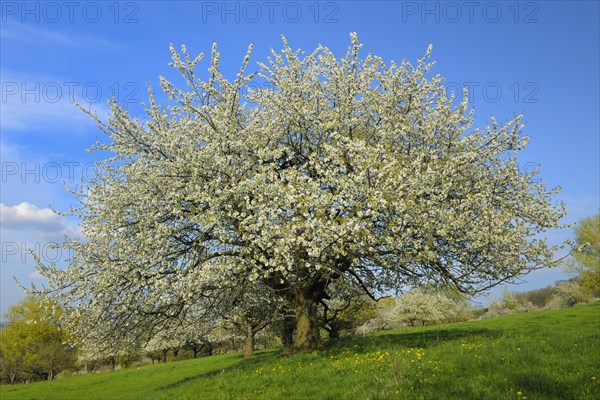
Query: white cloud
{"type": "Point", "coordinates": [35, 275]}
{"type": "Point", "coordinates": [26, 216]}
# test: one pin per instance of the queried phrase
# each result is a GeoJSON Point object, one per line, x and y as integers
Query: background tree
{"type": "Point", "coordinates": [32, 344]}
{"type": "Point", "coordinates": [12, 355]}
{"type": "Point", "coordinates": [509, 303]}
{"type": "Point", "coordinates": [537, 297]}
{"type": "Point", "coordinates": [450, 304]}
{"type": "Point", "coordinates": [419, 306]}
{"type": "Point", "coordinates": [251, 309]}
{"type": "Point", "coordinates": [159, 346]}
{"type": "Point", "coordinates": [587, 256]}
{"type": "Point", "coordinates": [386, 317]}
{"type": "Point", "coordinates": [285, 329]}
{"type": "Point", "coordinates": [192, 329]}
{"type": "Point", "coordinates": [347, 309]}
{"type": "Point", "coordinates": [569, 293]}
{"type": "Point", "coordinates": [336, 167]}
{"type": "Point", "coordinates": [104, 337]}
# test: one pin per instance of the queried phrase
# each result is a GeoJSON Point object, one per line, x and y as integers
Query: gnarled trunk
{"type": "Point", "coordinates": [308, 336]}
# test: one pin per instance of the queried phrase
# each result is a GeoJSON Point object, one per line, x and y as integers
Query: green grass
{"type": "Point", "coordinates": [539, 355]}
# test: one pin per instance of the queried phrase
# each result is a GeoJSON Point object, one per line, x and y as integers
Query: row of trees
{"type": "Point", "coordinates": [566, 293]}
{"type": "Point", "coordinates": [33, 346]}
{"type": "Point", "coordinates": [429, 306]}
{"type": "Point", "coordinates": [34, 343]}
{"type": "Point", "coordinates": [419, 307]}
{"type": "Point", "coordinates": [583, 287]}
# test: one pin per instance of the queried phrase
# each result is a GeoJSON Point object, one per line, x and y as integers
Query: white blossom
{"type": "Point", "coordinates": [332, 167]}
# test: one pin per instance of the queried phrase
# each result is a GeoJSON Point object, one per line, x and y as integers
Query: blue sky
{"type": "Point", "coordinates": [536, 58]}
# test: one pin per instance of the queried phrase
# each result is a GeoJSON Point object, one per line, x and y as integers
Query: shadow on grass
{"type": "Point", "coordinates": [411, 338]}
{"type": "Point", "coordinates": [544, 385]}
{"type": "Point", "coordinates": [242, 363]}
{"type": "Point", "coordinates": [207, 374]}
{"type": "Point", "coordinates": [407, 338]}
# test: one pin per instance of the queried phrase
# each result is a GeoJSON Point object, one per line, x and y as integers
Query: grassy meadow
{"type": "Point", "coordinates": [540, 355]}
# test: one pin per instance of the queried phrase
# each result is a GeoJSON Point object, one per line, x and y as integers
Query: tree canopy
{"type": "Point", "coordinates": [587, 256]}
{"type": "Point", "coordinates": [334, 168]}
{"type": "Point", "coordinates": [32, 344]}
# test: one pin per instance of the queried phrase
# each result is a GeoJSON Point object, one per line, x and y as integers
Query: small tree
{"type": "Point", "coordinates": [386, 317]}
{"type": "Point", "coordinates": [12, 363]}
{"type": "Point", "coordinates": [347, 308]}
{"type": "Point", "coordinates": [508, 304]}
{"type": "Point", "coordinates": [538, 297]}
{"type": "Point", "coordinates": [420, 306]}
{"type": "Point", "coordinates": [569, 293]}
{"type": "Point", "coordinates": [587, 256]}
{"type": "Point", "coordinates": [285, 328]}
{"type": "Point", "coordinates": [103, 338]}
{"type": "Point", "coordinates": [192, 329]}
{"type": "Point", "coordinates": [32, 345]}
{"type": "Point", "coordinates": [251, 309]}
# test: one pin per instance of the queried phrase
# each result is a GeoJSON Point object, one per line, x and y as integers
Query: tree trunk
{"type": "Point", "coordinates": [164, 355]}
{"type": "Point", "coordinates": [287, 333]}
{"type": "Point", "coordinates": [308, 336]}
{"type": "Point", "coordinates": [175, 353]}
{"type": "Point", "coordinates": [209, 348]}
{"type": "Point", "coordinates": [334, 330]}
{"type": "Point", "coordinates": [249, 344]}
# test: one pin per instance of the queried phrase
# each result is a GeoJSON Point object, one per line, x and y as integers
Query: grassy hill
{"type": "Point", "coordinates": [539, 355]}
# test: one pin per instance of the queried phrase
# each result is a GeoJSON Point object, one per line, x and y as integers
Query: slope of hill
{"type": "Point", "coordinates": [535, 356]}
